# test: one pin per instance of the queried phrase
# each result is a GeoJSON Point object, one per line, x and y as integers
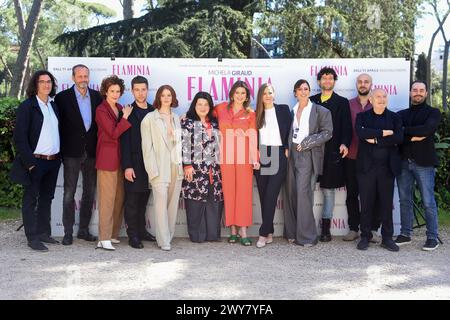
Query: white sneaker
{"type": "Point", "coordinates": [166, 248]}
{"type": "Point", "coordinates": [106, 245]}
{"type": "Point", "coordinates": [115, 241]}
{"type": "Point", "coordinates": [269, 239]}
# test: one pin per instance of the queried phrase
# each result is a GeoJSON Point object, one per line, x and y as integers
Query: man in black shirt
{"type": "Point", "coordinates": [419, 159]}
{"type": "Point", "coordinates": [136, 183]}
{"type": "Point", "coordinates": [378, 162]}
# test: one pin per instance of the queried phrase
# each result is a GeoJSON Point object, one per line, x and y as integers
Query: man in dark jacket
{"type": "Point", "coordinates": [36, 166]}
{"type": "Point", "coordinates": [377, 164]}
{"type": "Point", "coordinates": [336, 149]}
{"type": "Point", "coordinates": [78, 145]}
{"type": "Point", "coordinates": [419, 160]}
{"type": "Point", "coordinates": [136, 179]}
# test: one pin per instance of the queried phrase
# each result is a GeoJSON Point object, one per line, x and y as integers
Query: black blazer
{"type": "Point", "coordinates": [284, 119]}
{"type": "Point", "coordinates": [29, 120]}
{"type": "Point", "coordinates": [131, 152]}
{"type": "Point", "coordinates": [74, 138]}
{"type": "Point", "coordinates": [365, 130]}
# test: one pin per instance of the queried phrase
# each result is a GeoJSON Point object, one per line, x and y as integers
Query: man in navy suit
{"type": "Point", "coordinates": [78, 147]}
{"type": "Point", "coordinates": [36, 166]}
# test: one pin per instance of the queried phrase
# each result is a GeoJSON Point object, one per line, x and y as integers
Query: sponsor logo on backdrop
{"type": "Point", "coordinates": [130, 70]}
{"type": "Point", "coordinates": [66, 85]}
{"type": "Point", "coordinates": [219, 87]}
{"type": "Point", "coordinates": [391, 89]}
{"type": "Point", "coordinates": [341, 70]}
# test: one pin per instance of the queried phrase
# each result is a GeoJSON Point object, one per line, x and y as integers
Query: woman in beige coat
{"type": "Point", "coordinates": [161, 148]}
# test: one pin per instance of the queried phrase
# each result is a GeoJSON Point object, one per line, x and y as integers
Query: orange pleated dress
{"type": "Point", "coordinates": [238, 153]}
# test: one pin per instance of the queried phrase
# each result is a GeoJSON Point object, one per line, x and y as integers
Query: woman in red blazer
{"type": "Point", "coordinates": [111, 119]}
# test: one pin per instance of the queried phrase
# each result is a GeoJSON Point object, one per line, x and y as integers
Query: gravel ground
{"type": "Point", "coordinates": [335, 270]}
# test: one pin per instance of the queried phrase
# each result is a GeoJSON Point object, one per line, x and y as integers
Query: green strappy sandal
{"type": "Point", "coordinates": [246, 242]}
{"type": "Point", "coordinates": [233, 238]}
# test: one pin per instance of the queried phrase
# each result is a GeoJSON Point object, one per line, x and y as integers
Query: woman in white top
{"type": "Point", "coordinates": [273, 122]}
{"type": "Point", "coordinates": [311, 128]}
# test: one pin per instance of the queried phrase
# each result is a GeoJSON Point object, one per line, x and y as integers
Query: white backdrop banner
{"type": "Point", "coordinates": [188, 76]}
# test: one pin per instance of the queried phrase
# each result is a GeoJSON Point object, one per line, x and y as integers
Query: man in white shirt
{"type": "Point", "coordinates": [36, 166]}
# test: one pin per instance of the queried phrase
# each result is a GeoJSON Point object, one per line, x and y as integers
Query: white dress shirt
{"type": "Point", "coordinates": [48, 143]}
{"type": "Point", "coordinates": [301, 130]}
{"type": "Point", "coordinates": [269, 134]}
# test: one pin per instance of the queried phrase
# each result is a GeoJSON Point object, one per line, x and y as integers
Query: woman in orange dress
{"type": "Point", "coordinates": [239, 156]}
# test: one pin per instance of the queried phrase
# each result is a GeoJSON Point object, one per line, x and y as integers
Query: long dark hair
{"type": "Point", "coordinates": [192, 114]}
{"type": "Point", "coordinates": [260, 114]}
{"type": "Point", "coordinates": [236, 85]}
{"type": "Point", "coordinates": [32, 88]}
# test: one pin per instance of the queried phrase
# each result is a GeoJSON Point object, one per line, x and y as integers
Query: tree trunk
{"type": "Point", "coordinates": [20, 19]}
{"type": "Point", "coordinates": [444, 77]}
{"type": "Point", "coordinates": [8, 71]}
{"type": "Point", "coordinates": [128, 12]}
{"type": "Point", "coordinates": [25, 49]}
{"type": "Point", "coordinates": [430, 52]}
{"type": "Point", "coordinates": [41, 59]}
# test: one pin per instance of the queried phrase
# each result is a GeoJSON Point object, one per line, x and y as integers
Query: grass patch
{"type": "Point", "coordinates": [9, 214]}
{"type": "Point", "coordinates": [444, 218]}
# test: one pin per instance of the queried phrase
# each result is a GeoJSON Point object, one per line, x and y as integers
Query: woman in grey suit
{"type": "Point", "coordinates": [161, 148]}
{"type": "Point", "coordinates": [312, 127]}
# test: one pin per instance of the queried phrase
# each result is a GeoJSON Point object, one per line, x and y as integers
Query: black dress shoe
{"type": "Point", "coordinates": [363, 244]}
{"type": "Point", "coordinates": [85, 235]}
{"type": "Point", "coordinates": [37, 245]}
{"type": "Point", "coordinates": [390, 245]}
{"type": "Point", "coordinates": [148, 237]}
{"type": "Point", "coordinates": [47, 239]}
{"type": "Point", "coordinates": [67, 240]}
{"type": "Point", "coordinates": [135, 243]}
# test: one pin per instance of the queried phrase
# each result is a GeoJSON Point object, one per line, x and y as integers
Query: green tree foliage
{"type": "Point", "coordinates": [10, 193]}
{"type": "Point", "coordinates": [57, 16]}
{"type": "Point", "coordinates": [421, 71]}
{"type": "Point", "coordinates": [341, 28]}
{"type": "Point", "coordinates": [171, 29]}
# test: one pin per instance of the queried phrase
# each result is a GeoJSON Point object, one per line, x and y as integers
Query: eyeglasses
{"type": "Point", "coordinates": [45, 82]}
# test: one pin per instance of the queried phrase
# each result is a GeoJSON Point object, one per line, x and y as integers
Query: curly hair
{"type": "Point", "coordinates": [32, 88]}
{"type": "Point", "coordinates": [327, 70]}
{"type": "Point", "coordinates": [110, 81]}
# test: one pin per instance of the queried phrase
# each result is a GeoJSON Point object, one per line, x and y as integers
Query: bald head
{"type": "Point", "coordinates": [379, 98]}
{"type": "Point", "coordinates": [363, 84]}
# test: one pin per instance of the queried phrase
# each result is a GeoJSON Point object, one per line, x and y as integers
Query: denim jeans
{"type": "Point", "coordinates": [328, 203]}
{"type": "Point", "coordinates": [424, 176]}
